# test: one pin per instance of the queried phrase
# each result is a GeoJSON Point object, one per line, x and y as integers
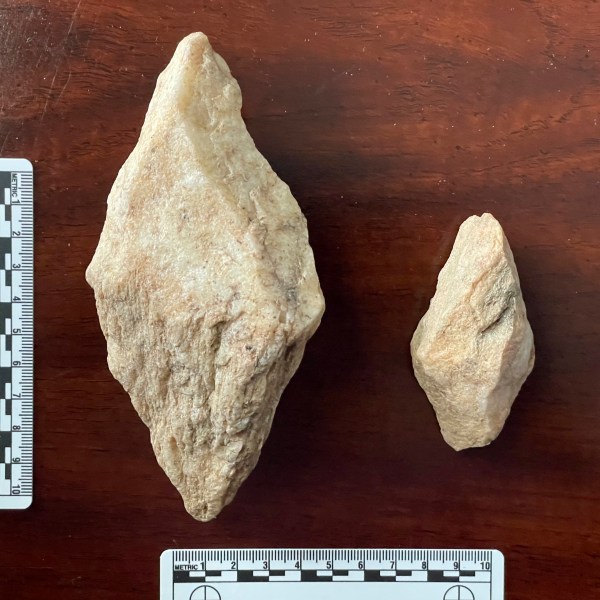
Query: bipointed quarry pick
{"type": "Point", "coordinates": [473, 349]}
{"type": "Point", "coordinates": [205, 282]}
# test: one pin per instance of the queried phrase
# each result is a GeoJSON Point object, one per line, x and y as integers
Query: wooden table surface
{"type": "Point", "coordinates": [392, 121]}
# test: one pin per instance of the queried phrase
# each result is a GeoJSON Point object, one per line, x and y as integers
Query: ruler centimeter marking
{"type": "Point", "coordinates": [16, 333]}
{"type": "Point", "coordinates": [358, 574]}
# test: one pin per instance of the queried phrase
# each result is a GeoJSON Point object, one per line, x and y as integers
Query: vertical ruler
{"type": "Point", "coordinates": [16, 333]}
{"type": "Point", "coordinates": [327, 574]}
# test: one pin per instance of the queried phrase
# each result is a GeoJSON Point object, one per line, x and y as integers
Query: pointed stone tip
{"type": "Point", "coordinates": [481, 232]}
{"type": "Point", "coordinates": [191, 47]}
{"type": "Point", "coordinates": [194, 50]}
{"type": "Point", "coordinates": [206, 507]}
{"type": "Point", "coordinates": [485, 219]}
{"type": "Point", "coordinates": [460, 443]}
{"type": "Point", "coordinates": [195, 40]}
{"type": "Point", "coordinates": [202, 513]}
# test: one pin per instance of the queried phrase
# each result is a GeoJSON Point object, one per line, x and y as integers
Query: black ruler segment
{"type": "Point", "coordinates": [379, 576]}
{"type": "Point", "coordinates": [5, 442]}
{"type": "Point", "coordinates": [441, 576]}
{"type": "Point", "coordinates": [249, 576]}
{"type": "Point", "coordinates": [314, 576]}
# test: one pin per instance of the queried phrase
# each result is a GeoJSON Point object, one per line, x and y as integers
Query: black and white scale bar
{"type": "Point", "coordinates": [335, 574]}
{"type": "Point", "coordinates": [16, 333]}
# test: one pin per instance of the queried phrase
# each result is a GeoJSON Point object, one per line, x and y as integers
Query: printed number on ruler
{"type": "Point", "coordinates": [16, 333]}
{"type": "Point", "coordinates": [331, 575]}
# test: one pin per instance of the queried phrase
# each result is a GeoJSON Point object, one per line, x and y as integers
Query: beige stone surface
{"type": "Point", "coordinates": [473, 349]}
{"type": "Point", "coordinates": [204, 280]}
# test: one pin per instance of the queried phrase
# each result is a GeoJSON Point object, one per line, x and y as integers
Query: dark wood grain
{"type": "Point", "coordinates": [392, 122]}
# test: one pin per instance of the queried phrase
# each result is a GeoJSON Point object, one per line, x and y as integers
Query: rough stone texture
{"type": "Point", "coordinates": [205, 283]}
{"type": "Point", "coordinates": [473, 349]}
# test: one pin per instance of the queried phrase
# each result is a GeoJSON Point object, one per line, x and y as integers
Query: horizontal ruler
{"type": "Point", "coordinates": [16, 333]}
{"type": "Point", "coordinates": [384, 574]}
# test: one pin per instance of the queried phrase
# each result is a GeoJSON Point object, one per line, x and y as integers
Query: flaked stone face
{"type": "Point", "coordinates": [473, 349]}
{"type": "Point", "coordinates": [205, 282]}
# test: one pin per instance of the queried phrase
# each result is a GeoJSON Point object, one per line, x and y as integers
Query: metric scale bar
{"type": "Point", "coordinates": [16, 333]}
{"type": "Point", "coordinates": [331, 575]}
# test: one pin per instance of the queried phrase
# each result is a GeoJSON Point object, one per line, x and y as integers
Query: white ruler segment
{"type": "Point", "coordinates": [383, 574]}
{"type": "Point", "coordinates": [16, 333]}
